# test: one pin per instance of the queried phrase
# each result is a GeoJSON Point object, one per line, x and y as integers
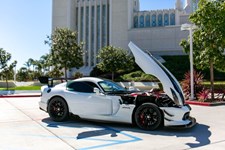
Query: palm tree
{"type": "Point", "coordinates": [45, 61]}
{"type": "Point", "coordinates": [28, 63]}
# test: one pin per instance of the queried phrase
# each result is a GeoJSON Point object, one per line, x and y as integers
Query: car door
{"type": "Point", "coordinates": [83, 101]}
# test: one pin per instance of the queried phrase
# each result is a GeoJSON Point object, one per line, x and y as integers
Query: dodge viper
{"type": "Point", "coordinates": [104, 100]}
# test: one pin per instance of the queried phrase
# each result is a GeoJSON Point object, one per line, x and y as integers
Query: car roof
{"type": "Point", "coordinates": [91, 79]}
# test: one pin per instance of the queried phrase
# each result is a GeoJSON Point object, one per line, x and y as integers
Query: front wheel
{"type": "Point", "coordinates": [148, 116]}
{"type": "Point", "coordinates": [58, 109]}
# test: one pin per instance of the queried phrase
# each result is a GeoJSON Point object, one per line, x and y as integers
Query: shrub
{"type": "Point", "coordinates": [138, 76]}
{"type": "Point", "coordinates": [177, 65]}
{"type": "Point", "coordinates": [96, 72]}
{"type": "Point", "coordinates": [203, 95]}
{"type": "Point", "coordinates": [185, 83]}
{"type": "Point", "coordinates": [78, 75]}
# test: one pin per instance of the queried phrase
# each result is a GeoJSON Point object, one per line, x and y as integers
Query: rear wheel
{"type": "Point", "coordinates": [148, 116]}
{"type": "Point", "coordinates": [58, 109]}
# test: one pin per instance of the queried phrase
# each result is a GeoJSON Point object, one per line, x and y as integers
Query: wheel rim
{"type": "Point", "coordinates": [57, 109]}
{"type": "Point", "coordinates": [147, 117]}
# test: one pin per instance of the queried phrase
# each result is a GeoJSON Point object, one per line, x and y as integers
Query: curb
{"type": "Point", "coordinates": [18, 96]}
{"type": "Point", "coordinates": [205, 103]}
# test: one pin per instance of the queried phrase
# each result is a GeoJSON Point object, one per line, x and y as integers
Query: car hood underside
{"type": "Point", "coordinates": [150, 65]}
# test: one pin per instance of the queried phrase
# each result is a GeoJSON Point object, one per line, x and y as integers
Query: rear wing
{"type": "Point", "coordinates": [50, 81]}
{"type": "Point", "coordinates": [46, 80]}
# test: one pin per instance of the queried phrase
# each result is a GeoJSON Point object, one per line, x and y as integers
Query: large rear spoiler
{"type": "Point", "coordinates": [46, 80]}
{"type": "Point", "coordinates": [50, 81]}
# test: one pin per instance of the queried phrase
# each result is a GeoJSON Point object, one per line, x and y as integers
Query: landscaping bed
{"type": "Point", "coordinates": [214, 103]}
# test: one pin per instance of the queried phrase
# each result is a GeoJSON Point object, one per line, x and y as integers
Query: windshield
{"type": "Point", "coordinates": [109, 86]}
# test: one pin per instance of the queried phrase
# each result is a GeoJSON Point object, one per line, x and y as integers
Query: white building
{"type": "Point", "coordinates": [116, 22]}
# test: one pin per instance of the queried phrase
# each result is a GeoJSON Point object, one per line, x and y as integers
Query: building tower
{"type": "Point", "coordinates": [179, 5]}
{"type": "Point", "coordinates": [190, 6]}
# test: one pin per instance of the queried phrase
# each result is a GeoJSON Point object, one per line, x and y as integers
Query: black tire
{"type": "Point", "coordinates": [58, 109]}
{"type": "Point", "coordinates": [148, 116]}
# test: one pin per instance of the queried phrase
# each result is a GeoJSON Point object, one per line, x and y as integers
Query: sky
{"type": "Point", "coordinates": [25, 24]}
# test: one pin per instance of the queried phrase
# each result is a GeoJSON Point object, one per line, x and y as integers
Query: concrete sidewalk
{"type": "Point", "coordinates": [20, 93]}
{"type": "Point", "coordinates": [23, 126]}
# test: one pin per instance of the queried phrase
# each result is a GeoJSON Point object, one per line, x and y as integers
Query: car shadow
{"type": "Point", "coordinates": [200, 132]}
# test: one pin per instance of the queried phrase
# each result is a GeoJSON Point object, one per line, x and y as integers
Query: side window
{"type": "Point", "coordinates": [80, 87]}
{"type": "Point", "coordinates": [91, 84]}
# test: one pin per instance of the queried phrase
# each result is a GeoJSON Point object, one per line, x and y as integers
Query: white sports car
{"type": "Point", "coordinates": [103, 100]}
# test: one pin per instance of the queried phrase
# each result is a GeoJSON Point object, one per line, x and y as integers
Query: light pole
{"type": "Point", "coordinates": [190, 28]}
{"type": "Point", "coordinates": [15, 74]}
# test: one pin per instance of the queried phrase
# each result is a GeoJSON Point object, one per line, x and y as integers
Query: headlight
{"type": "Point", "coordinates": [186, 116]}
{"type": "Point", "coordinates": [175, 98]}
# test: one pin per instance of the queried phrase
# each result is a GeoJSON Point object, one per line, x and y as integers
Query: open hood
{"type": "Point", "coordinates": [150, 65]}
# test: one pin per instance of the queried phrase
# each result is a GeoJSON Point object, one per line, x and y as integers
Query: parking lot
{"type": "Point", "coordinates": [24, 127]}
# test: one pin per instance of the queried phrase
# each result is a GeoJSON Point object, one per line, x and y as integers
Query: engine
{"type": "Point", "coordinates": [138, 98]}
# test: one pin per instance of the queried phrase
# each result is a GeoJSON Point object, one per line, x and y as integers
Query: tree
{"type": "Point", "coordinates": [45, 62]}
{"type": "Point", "coordinates": [55, 72]}
{"type": "Point", "coordinates": [29, 63]}
{"type": "Point", "coordinates": [22, 74]}
{"type": "Point", "coordinates": [6, 68]}
{"type": "Point", "coordinates": [209, 37]}
{"type": "Point", "coordinates": [113, 59]}
{"type": "Point", "coordinates": [65, 51]}
{"type": "Point", "coordinates": [39, 67]}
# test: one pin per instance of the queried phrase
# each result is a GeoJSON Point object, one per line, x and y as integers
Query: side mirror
{"type": "Point", "coordinates": [97, 91]}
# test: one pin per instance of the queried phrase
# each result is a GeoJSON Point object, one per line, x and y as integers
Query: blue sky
{"type": "Point", "coordinates": [24, 25]}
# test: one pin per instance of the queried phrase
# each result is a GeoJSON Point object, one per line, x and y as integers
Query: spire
{"type": "Point", "coordinates": [187, 3]}
{"type": "Point", "coordinates": [188, 6]}
{"type": "Point", "coordinates": [179, 5]}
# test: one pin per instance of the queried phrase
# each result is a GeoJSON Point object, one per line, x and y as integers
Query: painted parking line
{"type": "Point", "coordinates": [104, 142]}
{"type": "Point", "coordinates": [108, 143]}
{"type": "Point", "coordinates": [97, 135]}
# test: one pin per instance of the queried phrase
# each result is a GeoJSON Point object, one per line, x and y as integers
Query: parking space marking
{"type": "Point", "coordinates": [111, 142]}
{"type": "Point", "coordinates": [95, 133]}
{"type": "Point", "coordinates": [103, 142]}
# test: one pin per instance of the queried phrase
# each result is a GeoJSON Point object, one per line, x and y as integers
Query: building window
{"type": "Point", "coordinates": [166, 19]}
{"type": "Point", "coordinates": [87, 34]}
{"type": "Point", "coordinates": [147, 21]}
{"type": "Point", "coordinates": [135, 21]}
{"type": "Point", "coordinates": [98, 28]}
{"type": "Point", "coordinates": [92, 34]}
{"type": "Point", "coordinates": [77, 18]}
{"type": "Point", "coordinates": [104, 23]}
{"type": "Point", "coordinates": [82, 24]}
{"type": "Point", "coordinates": [141, 21]}
{"type": "Point", "coordinates": [153, 20]}
{"type": "Point", "coordinates": [87, 28]}
{"type": "Point", "coordinates": [160, 20]}
{"type": "Point", "coordinates": [172, 19]}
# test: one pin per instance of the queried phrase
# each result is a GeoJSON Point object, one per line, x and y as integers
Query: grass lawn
{"type": "Point", "coordinates": [218, 85]}
{"type": "Point", "coordinates": [215, 83]}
